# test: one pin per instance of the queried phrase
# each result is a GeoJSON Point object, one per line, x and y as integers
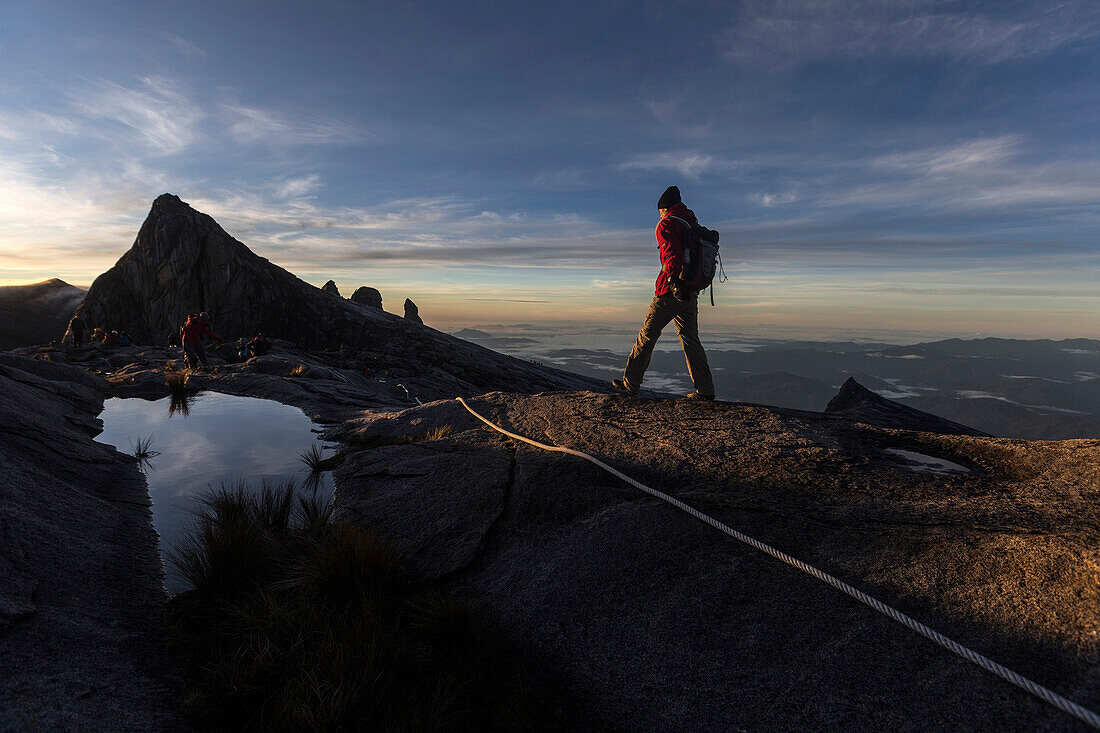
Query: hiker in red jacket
{"type": "Point", "coordinates": [670, 303]}
{"type": "Point", "coordinates": [193, 331]}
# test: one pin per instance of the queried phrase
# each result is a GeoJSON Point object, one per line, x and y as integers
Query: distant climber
{"type": "Point", "coordinates": [666, 306]}
{"type": "Point", "coordinates": [112, 339]}
{"type": "Point", "coordinates": [98, 335]}
{"type": "Point", "coordinates": [259, 345]}
{"type": "Point", "coordinates": [77, 329]}
{"type": "Point", "coordinates": [193, 331]}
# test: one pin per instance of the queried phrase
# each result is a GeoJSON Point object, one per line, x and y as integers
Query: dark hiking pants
{"type": "Point", "coordinates": [78, 338]}
{"type": "Point", "coordinates": [685, 313]}
{"type": "Point", "coordinates": [194, 353]}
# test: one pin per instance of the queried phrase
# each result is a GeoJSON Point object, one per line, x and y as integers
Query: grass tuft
{"type": "Point", "coordinates": [298, 621]}
{"type": "Point", "coordinates": [300, 371]}
{"type": "Point", "coordinates": [438, 433]}
{"type": "Point", "coordinates": [315, 460]}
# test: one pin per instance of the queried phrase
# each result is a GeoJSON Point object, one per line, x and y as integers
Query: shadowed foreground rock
{"type": "Point", "coordinates": [81, 583]}
{"type": "Point", "coordinates": [658, 622]}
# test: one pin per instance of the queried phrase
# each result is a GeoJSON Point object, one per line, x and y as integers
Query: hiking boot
{"type": "Point", "coordinates": [620, 384]}
{"type": "Point", "coordinates": [699, 396]}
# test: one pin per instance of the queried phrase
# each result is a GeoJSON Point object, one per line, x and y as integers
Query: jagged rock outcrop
{"type": "Point", "coordinates": [856, 402]}
{"type": "Point", "coordinates": [369, 297]}
{"type": "Point", "coordinates": [412, 313]}
{"type": "Point", "coordinates": [36, 314]}
{"type": "Point", "coordinates": [184, 262]}
{"type": "Point", "coordinates": [331, 289]}
{"type": "Point", "coordinates": [81, 581]}
{"type": "Point", "coordinates": [658, 622]}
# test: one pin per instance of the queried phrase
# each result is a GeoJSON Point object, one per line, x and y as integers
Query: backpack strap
{"type": "Point", "coordinates": [685, 222]}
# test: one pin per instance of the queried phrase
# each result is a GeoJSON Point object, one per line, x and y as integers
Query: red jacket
{"type": "Point", "coordinates": [670, 243]}
{"type": "Point", "coordinates": [195, 329]}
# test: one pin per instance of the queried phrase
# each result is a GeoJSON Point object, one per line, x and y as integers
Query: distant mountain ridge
{"type": "Point", "coordinates": [36, 313]}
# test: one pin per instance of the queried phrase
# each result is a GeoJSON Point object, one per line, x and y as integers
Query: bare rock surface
{"type": "Point", "coordinates": [412, 313]}
{"type": "Point", "coordinates": [81, 584]}
{"type": "Point", "coordinates": [36, 314]}
{"type": "Point", "coordinates": [656, 621]}
{"type": "Point", "coordinates": [330, 288]}
{"type": "Point", "coordinates": [369, 297]}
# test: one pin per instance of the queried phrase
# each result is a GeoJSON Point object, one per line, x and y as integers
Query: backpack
{"type": "Point", "coordinates": [701, 258]}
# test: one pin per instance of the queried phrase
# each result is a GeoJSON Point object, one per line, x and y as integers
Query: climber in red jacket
{"type": "Point", "coordinates": [192, 333]}
{"type": "Point", "coordinates": [670, 304]}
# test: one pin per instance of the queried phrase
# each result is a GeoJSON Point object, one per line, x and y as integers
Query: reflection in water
{"type": "Point", "coordinates": [179, 404]}
{"type": "Point", "coordinates": [223, 440]}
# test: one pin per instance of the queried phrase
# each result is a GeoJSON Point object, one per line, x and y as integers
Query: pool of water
{"type": "Point", "coordinates": [210, 440]}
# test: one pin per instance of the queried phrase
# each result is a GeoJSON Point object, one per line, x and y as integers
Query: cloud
{"type": "Point", "coordinates": [774, 199]}
{"type": "Point", "coordinates": [256, 125]}
{"type": "Point", "coordinates": [156, 111]}
{"type": "Point", "coordinates": [964, 157]}
{"type": "Point", "coordinates": [792, 32]}
{"type": "Point", "coordinates": [687, 164]}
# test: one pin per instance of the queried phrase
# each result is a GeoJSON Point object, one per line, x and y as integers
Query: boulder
{"type": "Point", "coordinates": [368, 297]}
{"type": "Point", "coordinates": [331, 289]}
{"type": "Point", "coordinates": [412, 313]}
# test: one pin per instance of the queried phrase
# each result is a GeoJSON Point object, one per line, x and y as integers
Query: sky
{"type": "Point", "coordinates": [873, 166]}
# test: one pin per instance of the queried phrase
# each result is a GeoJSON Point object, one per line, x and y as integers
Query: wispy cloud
{"type": "Point", "coordinates": [255, 125]}
{"type": "Point", "coordinates": [688, 164]}
{"type": "Point", "coordinates": [156, 112]}
{"type": "Point", "coordinates": [790, 32]}
{"type": "Point", "coordinates": [968, 156]}
{"type": "Point", "coordinates": [774, 199]}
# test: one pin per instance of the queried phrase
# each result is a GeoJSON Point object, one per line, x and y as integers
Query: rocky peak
{"type": "Point", "coordinates": [183, 262]}
{"type": "Point", "coordinates": [368, 297]}
{"type": "Point", "coordinates": [331, 289]}
{"type": "Point", "coordinates": [858, 403]}
{"type": "Point", "coordinates": [412, 313]}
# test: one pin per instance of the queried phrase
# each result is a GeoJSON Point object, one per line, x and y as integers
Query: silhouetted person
{"type": "Point", "coordinates": [665, 307]}
{"type": "Point", "coordinates": [77, 329]}
{"type": "Point", "coordinates": [193, 351]}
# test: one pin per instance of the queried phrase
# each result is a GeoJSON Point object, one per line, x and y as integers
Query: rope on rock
{"type": "Point", "coordinates": [1043, 693]}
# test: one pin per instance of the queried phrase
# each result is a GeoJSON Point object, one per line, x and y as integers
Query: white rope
{"type": "Point", "coordinates": [1020, 681]}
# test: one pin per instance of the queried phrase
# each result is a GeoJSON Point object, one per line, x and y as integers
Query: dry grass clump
{"type": "Point", "coordinates": [380, 441]}
{"type": "Point", "coordinates": [300, 371]}
{"type": "Point", "coordinates": [300, 622]}
{"type": "Point", "coordinates": [438, 433]}
{"type": "Point", "coordinates": [177, 382]}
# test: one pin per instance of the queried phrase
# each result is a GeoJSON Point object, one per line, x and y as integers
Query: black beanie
{"type": "Point", "coordinates": [669, 198]}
